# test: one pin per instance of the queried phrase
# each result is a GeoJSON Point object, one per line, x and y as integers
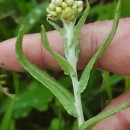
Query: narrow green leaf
{"type": "Point", "coordinates": [5, 124]}
{"type": "Point", "coordinates": [79, 26]}
{"type": "Point", "coordinates": [64, 96]}
{"type": "Point", "coordinates": [6, 121]}
{"type": "Point", "coordinates": [61, 60]}
{"type": "Point", "coordinates": [127, 82]}
{"type": "Point", "coordinates": [91, 122]}
{"type": "Point", "coordinates": [86, 74]}
{"type": "Point", "coordinates": [125, 8]}
{"type": "Point", "coordinates": [58, 28]}
{"type": "Point", "coordinates": [115, 78]}
{"type": "Point", "coordinates": [107, 84]}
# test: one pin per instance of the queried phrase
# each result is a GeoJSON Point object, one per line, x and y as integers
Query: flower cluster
{"type": "Point", "coordinates": [64, 9]}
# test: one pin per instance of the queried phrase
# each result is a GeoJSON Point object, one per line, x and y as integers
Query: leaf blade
{"type": "Point", "coordinates": [91, 122]}
{"type": "Point", "coordinates": [61, 60]}
{"type": "Point", "coordinates": [7, 117]}
{"type": "Point", "coordinates": [79, 26]}
{"type": "Point", "coordinates": [59, 29]}
{"type": "Point", "coordinates": [86, 74]}
{"type": "Point", "coordinates": [64, 96]}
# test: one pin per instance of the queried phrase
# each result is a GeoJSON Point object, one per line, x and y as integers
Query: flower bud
{"type": "Point", "coordinates": [79, 3]}
{"type": "Point", "coordinates": [50, 17]}
{"type": "Point", "coordinates": [58, 10]}
{"type": "Point", "coordinates": [75, 11]}
{"type": "Point", "coordinates": [53, 13]}
{"type": "Point", "coordinates": [51, 6]}
{"type": "Point", "coordinates": [69, 2]}
{"type": "Point", "coordinates": [63, 15]}
{"type": "Point", "coordinates": [74, 6]}
{"type": "Point", "coordinates": [64, 5]}
{"type": "Point", "coordinates": [53, 1]}
{"type": "Point", "coordinates": [64, 9]}
{"type": "Point", "coordinates": [58, 2]}
{"type": "Point", "coordinates": [72, 18]}
{"type": "Point", "coordinates": [67, 10]}
{"type": "Point", "coordinates": [48, 10]}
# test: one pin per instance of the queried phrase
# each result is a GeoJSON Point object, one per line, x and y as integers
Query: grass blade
{"type": "Point", "coordinates": [107, 84]}
{"type": "Point", "coordinates": [5, 124]}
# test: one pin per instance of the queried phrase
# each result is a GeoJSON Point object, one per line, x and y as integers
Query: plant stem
{"type": "Point", "coordinates": [70, 54]}
{"type": "Point", "coordinates": [78, 102]}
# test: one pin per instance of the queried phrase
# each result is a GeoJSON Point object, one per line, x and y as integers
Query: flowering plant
{"type": "Point", "coordinates": [67, 11]}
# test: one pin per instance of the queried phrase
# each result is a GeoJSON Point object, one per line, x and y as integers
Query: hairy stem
{"type": "Point", "coordinates": [70, 54]}
{"type": "Point", "coordinates": [78, 102]}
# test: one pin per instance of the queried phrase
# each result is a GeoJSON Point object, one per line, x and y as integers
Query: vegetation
{"type": "Point", "coordinates": [35, 107]}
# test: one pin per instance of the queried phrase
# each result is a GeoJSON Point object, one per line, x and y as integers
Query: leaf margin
{"type": "Point", "coordinates": [45, 78]}
{"type": "Point", "coordinates": [86, 73]}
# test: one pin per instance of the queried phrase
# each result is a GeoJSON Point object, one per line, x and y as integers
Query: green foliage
{"type": "Point", "coordinates": [59, 29]}
{"type": "Point", "coordinates": [61, 60]}
{"type": "Point", "coordinates": [79, 26]}
{"type": "Point", "coordinates": [107, 84]}
{"type": "Point", "coordinates": [5, 124]}
{"type": "Point", "coordinates": [34, 16]}
{"type": "Point", "coordinates": [63, 95]}
{"type": "Point", "coordinates": [91, 122]}
{"type": "Point", "coordinates": [86, 73]}
{"type": "Point", "coordinates": [125, 8]}
{"type": "Point", "coordinates": [104, 11]}
{"type": "Point", "coordinates": [56, 124]}
{"type": "Point", "coordinates": [28, 13]}
{"type": "Point", "coordinates": [14, 13]}
{"type": "Point", "coordinates": [34, 96]}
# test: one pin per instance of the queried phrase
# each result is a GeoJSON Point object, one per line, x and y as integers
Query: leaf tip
{"type": "Point", "coordinates": [42, 26]}
{"type": "Point", "coordinates": [88, 5]}
{"type": "Point", "coordinates": [21, 28]}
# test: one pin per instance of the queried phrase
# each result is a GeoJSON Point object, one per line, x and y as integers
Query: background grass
{"type": "Point", "coordinates": [35, 108]}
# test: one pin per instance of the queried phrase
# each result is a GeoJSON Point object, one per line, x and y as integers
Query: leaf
{"type": "Point", "coordinates": [1, 1]}
{"type": "Point", "coordinates": [86, 73]}
{"type": "Point", "coordinates": [91, 122]}
{"type": "Point", "coordinates": [127, 83]}
{"type": "Point", "coordinates": [6, 9]}
{"type": "Point", "coordinates": [115, 78]}
{"type": "Point", "coordinates": [31, 97]}
{"type": "Point", "coordinates": [59, 29]}
{"type": "Point", "coordinates": [125, 8]}
{"type": "Point", "coordinates": [107, 84]}
{"type": "Point", "coordinates": [36, 96]}
{"type": "Point", "coordinates": [79, 26]}
{"type": "Point", "coordinates": [7, 119]}
{"type": "Point", "coordinates": [63, 95]}
{"type": "Point", "coordinates": [56, 124]}
{"type": "Point", "coordinates": [103, 11]}
{"type": "Point", "coordinates": [61, 60]}
{"type": "Point", "coordinates": [5, 124]}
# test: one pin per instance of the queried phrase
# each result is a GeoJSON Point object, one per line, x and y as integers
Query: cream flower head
{"type": "Point", "coordinates": [64, 9]}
